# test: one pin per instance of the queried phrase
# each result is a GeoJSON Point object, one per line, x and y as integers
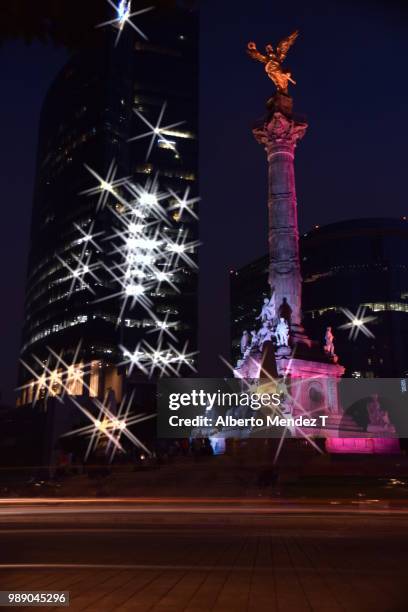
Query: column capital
{"type": "Point", "coordinates": [280, 131]}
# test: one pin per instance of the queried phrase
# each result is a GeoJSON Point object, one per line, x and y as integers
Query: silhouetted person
{"type": "Point", "coordinates": [285, 310]}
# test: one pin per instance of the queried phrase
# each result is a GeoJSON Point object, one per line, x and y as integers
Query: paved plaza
{"type": "Point", "coordinates": [210, 560]}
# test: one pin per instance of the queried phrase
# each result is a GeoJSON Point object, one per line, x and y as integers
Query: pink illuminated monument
{"type": "Point", "coordinates": [310, 367]}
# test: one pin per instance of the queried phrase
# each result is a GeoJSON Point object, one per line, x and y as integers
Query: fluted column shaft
{"type": "Point", "coordinates": [279, 136]}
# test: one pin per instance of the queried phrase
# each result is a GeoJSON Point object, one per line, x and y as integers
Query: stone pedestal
{"type": "Point", "coordinates": [280, 102]}
{"type": "Point", "coordinates": [313, 386]}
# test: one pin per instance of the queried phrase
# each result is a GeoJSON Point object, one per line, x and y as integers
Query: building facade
{"type": "Point", "coordinates": [355, 280]}
{"type": "Point", "coordinates": [81, 269]}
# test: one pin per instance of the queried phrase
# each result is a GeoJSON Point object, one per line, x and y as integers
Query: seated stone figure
{"type": "Point", "coordinates": [282, 332]}
{"type": "Point", "coordinates": [268, 311]}
{"type": "Point", "coordinates": [264, 334]}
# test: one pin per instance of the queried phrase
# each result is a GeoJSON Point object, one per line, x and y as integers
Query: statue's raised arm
{"type": "Point", "coordinates": [255, 54]}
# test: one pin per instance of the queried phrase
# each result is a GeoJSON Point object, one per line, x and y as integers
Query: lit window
{"type": "Point", "coordinates": [166, 144]}
{"type": "Point", "coordinates": [55, 384]}
{"type": "Point", "coordinates": [74, 381]}
{"type": "Point", "coordinates": [31, 392]}
{"type": "Point", "coordinates": [178, 134]}
{"type": "Point", "coordinates": [94, 379]}
{"type": "Point", "coordinates": [144, 169]}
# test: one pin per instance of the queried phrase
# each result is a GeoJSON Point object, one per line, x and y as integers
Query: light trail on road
{"type": "Point", "coordinates": [229, 507]}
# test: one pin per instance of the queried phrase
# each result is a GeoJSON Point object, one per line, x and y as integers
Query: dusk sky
{"type": "Point", "coordinates": [350, 66]}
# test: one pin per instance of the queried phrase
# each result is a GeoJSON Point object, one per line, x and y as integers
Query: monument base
{"type": "Point", "coordinates": [313, 390]}
{"type": "Point", "coordinates": [313, 384]}
{"type": "Point", "coordinates": [363, 446]}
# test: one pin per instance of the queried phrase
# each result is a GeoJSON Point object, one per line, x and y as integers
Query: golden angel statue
{"type": "Point", "coordinates": [273, 61]}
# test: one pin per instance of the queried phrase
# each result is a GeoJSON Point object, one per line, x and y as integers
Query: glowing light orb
{"type": "Point", "coordinates": [135, 228]}
{"type": "Point", "coordinates": [123, 12]}
{"type": "Point", "coordinates": [176, 248]}
{"type": "Point", "coordinates": [106, 186]}
{"type": "Point", "coordinates": [134, 290]}
{"type": "Point", "coordinates": [162, 276]}
{"type": "Point", "coordinates": [148, 199]}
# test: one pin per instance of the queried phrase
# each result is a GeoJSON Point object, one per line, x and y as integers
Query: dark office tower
{"type": "Point", "coordinates": [355, 274]}
{"type": "Point", "coordinates": [355, 280]}
{"type": "Point", "coordinates": [87, 119]}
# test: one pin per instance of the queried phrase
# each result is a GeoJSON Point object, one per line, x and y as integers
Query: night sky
{"type": "Point", "coordinates": [350, 66]}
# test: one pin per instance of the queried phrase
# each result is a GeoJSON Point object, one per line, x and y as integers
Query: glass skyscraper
{"type": "Point", "coordinates": [80, 273]}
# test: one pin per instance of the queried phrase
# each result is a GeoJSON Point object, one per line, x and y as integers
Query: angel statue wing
{"type": "Point", "coordinates": [285, 44]}
{"type": "Point", "coordinates": [255, 54]}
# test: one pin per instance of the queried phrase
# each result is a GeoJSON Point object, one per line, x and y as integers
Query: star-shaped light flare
{"type": "Point", "coordinates": [78, 272]}
{"type": "Point", "coordinates": [157, 131]}
{"type": "Point", "coordinates": [123, 17]}
{"type": "Point", "coordinates": [167, 361]}
{"type": "Point", "coordinates": [184, 204]}
{"type": "Point", "coordinates": [88, 237]}
{"type": "Point", "coordinates": [112, 425]}
{"type": "Point", "coordinates": [56, 376]}
{"type": "Point", "coordinates": [106, 186]}
{"type": "Point", "coordinates": [180, 249]}
{"type": "Point", "coordinates": [357, 322]}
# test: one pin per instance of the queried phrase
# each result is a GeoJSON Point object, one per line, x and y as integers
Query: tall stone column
{"type": "Point", "coordinates": [279, 135]}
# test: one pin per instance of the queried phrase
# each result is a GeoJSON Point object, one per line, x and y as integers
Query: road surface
{"type": "Point", "coordinates": [223, 556]}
